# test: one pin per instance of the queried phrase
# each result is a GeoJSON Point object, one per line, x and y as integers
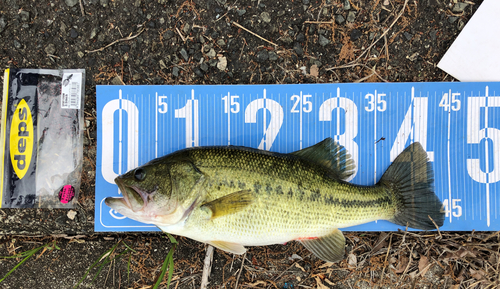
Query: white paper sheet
{"type": "Point", "coordinates": [475, 54]}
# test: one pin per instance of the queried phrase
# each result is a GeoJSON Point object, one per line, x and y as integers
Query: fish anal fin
{"type": "Point", "coordinates": [330, 248]}
{"type": "Point", "coordinates": [229, 204]}
{"type": "Point", "coordinates": [331, 156]}
{"type": "Point", "coordinates": [228, 247]}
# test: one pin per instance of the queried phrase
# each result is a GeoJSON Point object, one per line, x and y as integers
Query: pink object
{"type": "Point", "coordinates": [66, 194]}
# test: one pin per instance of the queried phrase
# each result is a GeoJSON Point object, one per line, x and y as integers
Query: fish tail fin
{"type": "Point", "coordinates": [410, 179]}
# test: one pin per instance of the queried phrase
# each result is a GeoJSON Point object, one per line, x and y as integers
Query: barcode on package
{"type": "Point", "coordinates": [71, 91]}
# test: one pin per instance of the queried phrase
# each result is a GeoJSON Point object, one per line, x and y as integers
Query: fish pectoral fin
{"type": "Point", "coordinates": [229, 204]}
{"type": "Point", "coordinates": [330, 248]}
{"type": "Point", "coordinates": [331, 156]}
{"type": "Point", "coordinates": [229, 247]}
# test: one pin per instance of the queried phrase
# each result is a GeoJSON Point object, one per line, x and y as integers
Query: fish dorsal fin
{"type": "Point", "coordinates": [228, 247]}
{"type": "Point", "coordinates": [229, 204]}
{"type": "Point", "coordinates": [330, 155]}
{"type": "Point", "coordinates": [330, 248]}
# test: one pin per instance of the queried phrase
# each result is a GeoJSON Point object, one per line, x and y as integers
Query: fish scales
{"type": "Point", "coordinates": [294, 198]}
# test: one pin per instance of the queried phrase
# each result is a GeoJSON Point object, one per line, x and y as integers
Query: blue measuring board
{"type": "Point", "coordinates": [458, 124]}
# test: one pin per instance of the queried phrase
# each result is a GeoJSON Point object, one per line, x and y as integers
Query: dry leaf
{"type": "Point", "coordinates": [413, 274]}
{"type": "Point", "coordinates": [320, 285]}
{"type": "Point", "coordinates": [403, 262]}
{"type": "Point", "coordinates": [314, 70]}
{"type": "Point", "coordinates": [422, 264]}
{"type": "Point", "coordinates": [329, 282]}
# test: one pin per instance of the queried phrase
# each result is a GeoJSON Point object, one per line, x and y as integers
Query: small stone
{"type": "Point", "coordinates": [198, 72]}
{"type": "Point", "coordinates": [281, 13]}
{"type": "Point", "coordinates": [175, 71]}
{"type": "Point", "coordinates": [305, 2]}
{"type": "Point", "coordinates": [222, 64]}
{"type": "Point", "coordinates": [204, 66]}
{"type": "Point", "coordinates": [117, 81]}
{"type": "Point", "coordinates": [452, 19]}
{"type": "Point", "coordinates": [104, 3]}
{"type": "Point", "coordinates": [93, 33]}
{"type": "Point", "coordinates": [355, 34]}
{"type": "Point", "coordinates": [73, 33]}
{"type": "Point", "coordinates": [323, 41]}
{"type": "Point", "coordinates": [17, 45]}
{"type": "Point", "coordinates": [371, 36]}
{"type": "Point", "coordinates": [187, 28]}
{"type": "Point", "coordinates": [168, 34]}
{"type": "Point", "coordinates": [347, 5]}
{"type": "Point", "coordinates": [25, 15]}
{"type": "Point", "coordinates": [241, 12]}
{"type": "Point", "coordinates": [298, 49]}
{"type": "Point", "coordinates": [184, 54]}
{"type": "Point", "coordinates": [408, 36]}
{"type": "Point", "coordinates": [351, 16]}
{"type": "Point", "coordinates": [50, 49]}
{"type": "Point", "coordinates": [300, 37]}
{"type": "Point", "coordinates": [287, 39]}
{"type": "Point", "coordinates": [151, 24]}
{"type": "Point", "coordinates": [125, 48]}
{"type": "Point", "coordinates": [325, 11]}
{"type": "Point", "coordinates": [273, 56]}
{"type": "Point", "coordinates": [433, 35]}
{"type": "Point", "coordinates": [63, 28]}
{"type": "Point", "coordinates": [162, 20]}
{"type": "Point", "coordinates": [162, 64]}
{"type": "Point", "coordinates": [2, 23]}
{"type": "Point", "coordinates": [71, 214]}
{"type": "Point", "coordinates": [461, 24]}
{"type": "Point", "coordinates": [71, 3]}
{"type": "Point", "coordinates": [459, 7]}
{"type": "Point", "coordinates": [136, 76]}
{"type": "Point", "coordinates": [265, 17]}
{"type": "Point", "coordinates": [262, 56]}
{"type": "Point", "coordinates": [211, 53]}
{"type": "Point", "coordinates": [339, 19]}
{"type": "Point", "coordinates": [213, 62]}
{"type": "Point", "coordinates": [80, 54]}
{"type": "Point", "coordinates": [221, 42]}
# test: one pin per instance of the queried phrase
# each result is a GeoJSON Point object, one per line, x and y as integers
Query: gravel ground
{"type": "Point", "coordinates": [226, 42]}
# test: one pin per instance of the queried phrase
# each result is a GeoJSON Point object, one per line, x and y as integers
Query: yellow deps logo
{"type": "Point", "coordinates": [21, 139]}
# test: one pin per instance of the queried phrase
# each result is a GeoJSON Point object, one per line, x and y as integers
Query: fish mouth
{"type": "Point", "coordinates": [133, 198]}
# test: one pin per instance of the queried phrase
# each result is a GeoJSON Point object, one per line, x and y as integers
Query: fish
{"type": "Point", "coordinates": [231, 197]}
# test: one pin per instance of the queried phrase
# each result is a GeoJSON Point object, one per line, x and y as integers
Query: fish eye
{"type": "Point", "coordinates": [139, 174]}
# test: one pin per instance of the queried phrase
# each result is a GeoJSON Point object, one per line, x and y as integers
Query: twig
{"type": "Point", "coordinates": [207, 267]}
{"type": "Point", "coordinates": [130, 37]}
{"type": "Point", "coordinates": [437, 228]}
{"type": "Point", "coordinates": [182, 36]}
{"type": "Point", "coordinates": [81, 8]}
{"type": "Point", "coordinates": [319, 22]}
{"type": "Point", "coordinates": [241, 269]}
{"type": "Point", "coordinates": [253, 33]}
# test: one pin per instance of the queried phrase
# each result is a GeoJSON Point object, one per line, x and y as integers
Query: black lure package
{"type": "Point", "coordinates": [41, 140]}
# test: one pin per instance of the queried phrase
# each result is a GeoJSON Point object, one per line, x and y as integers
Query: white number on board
{"type": "Point", "coordinates": [230, 101]}
{"type": "Point", "coordinates": [452, 208]}
{"type": "Point", "coordinates": [351, 124]}
{"type": "Point", "coordinates": [306, 103]}
{"type": "Point", "coordinates": [272, 130]}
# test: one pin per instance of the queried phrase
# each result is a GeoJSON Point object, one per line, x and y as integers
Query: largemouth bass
{"type": "Point", "coordinates": [231, 197]}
